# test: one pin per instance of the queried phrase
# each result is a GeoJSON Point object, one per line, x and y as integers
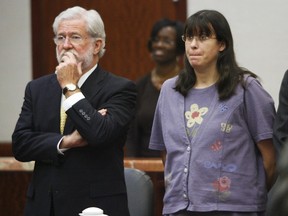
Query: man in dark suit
{"type": "Point", "coordinates": [84, 166]}
{"type": "Point", "coordinates": [281, 120]}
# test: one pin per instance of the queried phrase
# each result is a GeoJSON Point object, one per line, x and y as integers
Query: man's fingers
{"type": "Point", "coordinates": [103, 112]}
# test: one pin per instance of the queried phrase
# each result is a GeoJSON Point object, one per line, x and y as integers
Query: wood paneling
{"type": "Point", "coordinates": [13, 187]}
{"type": "Point", "coordinates": [127, 24]}
{"type": "Point", "coordinates": [5, 149]}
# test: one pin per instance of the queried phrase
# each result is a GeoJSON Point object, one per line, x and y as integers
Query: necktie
{"type": "Point", "coordinates": [63, 117]}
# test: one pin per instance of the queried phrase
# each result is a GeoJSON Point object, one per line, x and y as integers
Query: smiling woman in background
{"type": "Point", "coordinates": [166, 49]}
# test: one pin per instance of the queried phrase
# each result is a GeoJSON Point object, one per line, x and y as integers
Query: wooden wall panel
{"type": "Point", "coordinates": [127, 24]}
{"type": "Point", "coordinates": [5, 149]}
{"type": "Point", "coordinates": [13, 187]}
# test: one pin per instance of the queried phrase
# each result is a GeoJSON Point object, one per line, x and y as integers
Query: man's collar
{"type": "Point", "coordinates": [85, 76]}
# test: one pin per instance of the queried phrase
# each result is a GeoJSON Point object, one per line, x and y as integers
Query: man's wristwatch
{"type": "Point", "coordinates": [69, 87]}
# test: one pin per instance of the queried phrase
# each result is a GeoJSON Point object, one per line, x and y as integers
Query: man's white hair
{"type": "Point", "coordinates": [95, 25]}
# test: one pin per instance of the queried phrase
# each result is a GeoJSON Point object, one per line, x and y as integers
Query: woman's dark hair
{"type": "Point", "coordinates": [211, 22]}
{"type": "Point", "coordinates": [179, 28]}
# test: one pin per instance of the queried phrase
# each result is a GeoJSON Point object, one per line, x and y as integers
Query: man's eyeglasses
{"type": "Point", "coordinates": [74, 39]}
{"type": "Point", "coordinates": [201, 38]}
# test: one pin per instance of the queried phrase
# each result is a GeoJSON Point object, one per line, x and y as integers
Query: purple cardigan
{"type": "Point", "coordinates": [219, 169]}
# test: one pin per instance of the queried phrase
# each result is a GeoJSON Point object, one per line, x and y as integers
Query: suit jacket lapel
{"type": "Point", "coordinates": [53, 101]}
{"type": "Point", "coordinates": [89, 89]}
{"type": "Point", "coordinates": [94, 83]}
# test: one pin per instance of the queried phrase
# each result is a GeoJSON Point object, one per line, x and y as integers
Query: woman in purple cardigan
{"type": "Point", "coordinates": [213, 124]}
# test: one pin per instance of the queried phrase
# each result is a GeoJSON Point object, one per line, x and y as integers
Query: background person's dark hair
{"type": "Point", "coordinates": [211, 22]}
{"type": "Point", "coordinates": [177, 25]}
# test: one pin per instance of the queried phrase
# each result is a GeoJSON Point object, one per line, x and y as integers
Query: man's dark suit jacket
{"type": "Point", "coordinates": [281, 120]}
{"type": "Point", "coordinates": [85, 176]}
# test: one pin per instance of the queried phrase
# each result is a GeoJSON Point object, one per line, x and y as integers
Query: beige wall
{"type": "Point", "coordinates": [15, 61]}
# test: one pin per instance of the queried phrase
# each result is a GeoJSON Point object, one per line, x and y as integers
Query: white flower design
{"type": "Point", "coordinates": [195, 115]}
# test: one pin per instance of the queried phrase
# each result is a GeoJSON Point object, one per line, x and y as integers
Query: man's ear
{"type": "Point", "coordinates": [98, 44]}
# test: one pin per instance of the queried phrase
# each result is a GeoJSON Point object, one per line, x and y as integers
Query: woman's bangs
{"type": "Point", "coordinates": [199, 26]}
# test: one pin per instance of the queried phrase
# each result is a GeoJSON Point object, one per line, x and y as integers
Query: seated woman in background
{"type": "Point", "coordinates": [166, 49]}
